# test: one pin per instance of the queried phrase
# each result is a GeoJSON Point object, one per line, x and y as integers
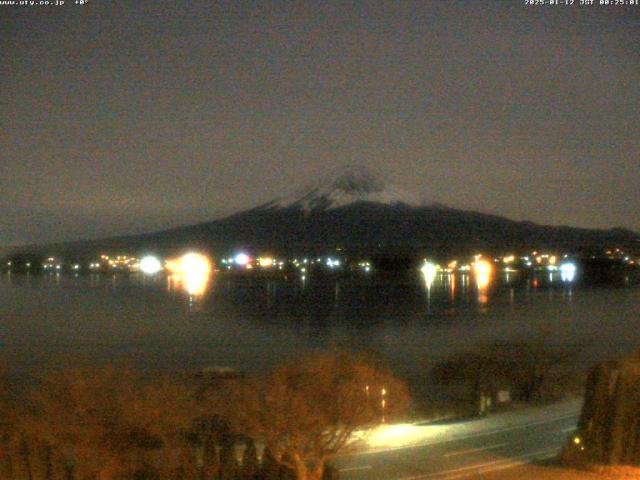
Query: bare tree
{"type": "Point", "coordinates": [111, 423]}
{"type": "Point", "coordinates": [14, 451]}
{"type": "Point", "coordinates": [306, 412]}
{"type": "Point", "coordinates": [524, 365]}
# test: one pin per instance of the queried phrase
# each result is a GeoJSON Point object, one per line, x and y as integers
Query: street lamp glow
{"type": "Point", "coordinates": [429, 271]}
{"type": "Point", "coordinates": [241, 259]}
{"type": "Point", "coordinates": [332, 263]}
{"type": "Point", "coordinates": [266, 262]}
{"type": "Point", "coordinates": [196, 269]}
{"type": "Point", "coordinates": [150, 265]}
{"type": "Point", "coordinates": [567, 272]}
{"type": "Point", "coordinates": [482, 270]}
{"type": "Point", "coordinates": [192, 271]}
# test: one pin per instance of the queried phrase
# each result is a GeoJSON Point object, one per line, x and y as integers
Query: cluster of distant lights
{"type": "Point", "coordinates": [243, 260]}
{"type": "Point", "coordinates": [152, 265]}
{"type": "Point", "coordinates": [192, 270]}
{"type": "Point", "coordinates": [483, 268]}
{"type": "Point", "coordinates": [194, 265]}
{"type": "Point", "coordinates": [365, 265]}
{"type": "Point", "coordinates": [619, 254]}
{"type": "Point", "coordinates": [52, 264]}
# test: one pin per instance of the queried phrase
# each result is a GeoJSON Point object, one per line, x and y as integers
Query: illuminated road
{"type": "Point", "coordinates": [449, 451]}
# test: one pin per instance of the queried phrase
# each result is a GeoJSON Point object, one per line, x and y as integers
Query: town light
{"type": "Point", "coordinates": [195, 273]}
{"type": "Point", "coordinates": [482, 270]}
{"type": "Point", "coordinates": [241, 259]}
{"type": "Point", "coordinates": [429, 271]}
{"type": "Point", "coordinates": [266, 261]}
{"type": "Point", "coordinates": [192, 271]}
{"type": "Point", "coordinates": [567, 272]}
{"type": "Point", "coordinates": [332, 263]}
{"type": "Point", "coordinates": [150, 265]}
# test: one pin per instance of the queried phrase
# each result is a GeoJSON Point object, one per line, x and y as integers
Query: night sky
{"type": "Point", "coordinates": [122, 117]}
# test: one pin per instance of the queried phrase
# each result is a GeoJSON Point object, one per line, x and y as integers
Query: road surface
{"type": "Point", "coordinates": [462, 449]}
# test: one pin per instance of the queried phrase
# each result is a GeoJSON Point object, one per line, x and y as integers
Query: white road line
{"type": "Point", "coordinates": [479, 449]}
{"type": "Point", "coordinates": [487, 467]}
{"type": "Point", "coordinates": [567, 430]}
{"type": "Point", "coordinates": [355, 469]}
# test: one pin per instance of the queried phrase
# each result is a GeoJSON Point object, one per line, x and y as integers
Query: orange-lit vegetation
{"type": "Point", "coordinates": [100, 423]}
{"type": "Point", "coordinates": [117, 424]}
{"type": "Point", "coordinates": [307, 412]}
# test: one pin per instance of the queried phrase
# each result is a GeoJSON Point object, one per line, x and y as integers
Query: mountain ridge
{"type": "Point", "coordinates": [358, 210]}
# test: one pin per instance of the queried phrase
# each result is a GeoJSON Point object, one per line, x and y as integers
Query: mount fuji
{"type": "Point", "coordinates": [347, 186]}
{"type": "Point", "coordinates": [358, 211]}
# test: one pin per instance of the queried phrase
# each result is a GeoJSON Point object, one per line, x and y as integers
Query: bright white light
{"type": "Point", "coordinates": [195, 263]}
{"type": "Point", "coordinates": [150, 265]}
{"type": "Point", "coordinates": [332, 263]}
{"type": "Point", "coordinates": [567, 272]}
{"type": "Point", "coordinates": [483, 271]}
{"type": "Point", "coordinates": [266, 261]}
{"type": "Point", "coordinates": [429, 271]}
{"type": "Point", "coordinates": [241, 259]}
{"type": "Point", "coordinates": [401, 435]}
{"type": "Point", "coordinates": [196, 269]}
{"type": "Point", "coordinates": [193, 271]}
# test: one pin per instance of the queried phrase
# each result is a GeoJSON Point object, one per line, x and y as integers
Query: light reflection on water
{"type": "Point", "coordinates": [250, 323]}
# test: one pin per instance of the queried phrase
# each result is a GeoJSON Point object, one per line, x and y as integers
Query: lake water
{"type": "Point", "coordinates": [251, 323]}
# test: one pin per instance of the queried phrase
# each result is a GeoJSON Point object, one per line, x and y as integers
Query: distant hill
{"type": "Point", "coordinates": [358, 211]}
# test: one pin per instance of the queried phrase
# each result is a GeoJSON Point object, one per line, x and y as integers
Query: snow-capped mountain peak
{"type": "Point", "coordinates": [349, 185]}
